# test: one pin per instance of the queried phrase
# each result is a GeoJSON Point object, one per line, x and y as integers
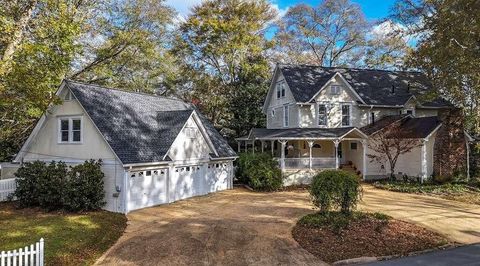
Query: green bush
{"type": "Point", "coordinates": [333, 189]}
{"type": "Point", "coordinates": [84, 189]}
{"type": "Point", "coordinates": [55, 186]}
{"type": "Point", "coordinates": [260, 171]}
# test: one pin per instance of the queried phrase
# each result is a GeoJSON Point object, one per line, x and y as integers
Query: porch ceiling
{"type": "Point", "coordinates": [299, 133]}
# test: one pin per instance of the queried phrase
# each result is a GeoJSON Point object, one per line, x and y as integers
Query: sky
{"type": "Point", "coordinates": [373, 9]}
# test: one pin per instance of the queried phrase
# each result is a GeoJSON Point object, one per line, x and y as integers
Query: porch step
{"type": "Point", "coordinates": [351, 169]}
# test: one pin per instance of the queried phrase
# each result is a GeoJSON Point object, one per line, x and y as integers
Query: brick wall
{"type": "Point", "coordinates": [450, 152]}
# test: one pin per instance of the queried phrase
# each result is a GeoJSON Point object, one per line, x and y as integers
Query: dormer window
{"type": "Point", "coordinates": [281, 89]}
{"type": "Point", "coordinates": [335, 90]}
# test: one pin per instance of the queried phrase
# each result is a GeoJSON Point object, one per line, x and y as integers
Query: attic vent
{"type": "Point", "coordinates": [393, 89]}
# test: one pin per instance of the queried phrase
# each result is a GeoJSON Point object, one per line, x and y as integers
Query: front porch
{"type": "Point", "coordinates": [303, 150]}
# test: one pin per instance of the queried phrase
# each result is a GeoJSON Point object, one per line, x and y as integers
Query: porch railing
{"type": "Point", "coordinates": [304, 163]}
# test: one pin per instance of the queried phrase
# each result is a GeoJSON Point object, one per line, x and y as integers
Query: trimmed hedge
{"type": "Point", "coordinates": [332, 189]}
{"type": "Point", "coordinates": [55, 186]}
{"type": "Point", "coordinates": [260, 171]}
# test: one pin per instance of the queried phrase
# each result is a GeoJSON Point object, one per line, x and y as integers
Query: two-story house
{"type": "Point", "coordinates": [320, 118]}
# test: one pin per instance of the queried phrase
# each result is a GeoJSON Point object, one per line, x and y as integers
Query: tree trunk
{"type": "Point", "coordinates": [17, 37]}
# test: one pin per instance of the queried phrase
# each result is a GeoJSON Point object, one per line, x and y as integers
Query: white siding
{"type": "Point", "coordinates": [276, 121]}
{"type": "Point", "coordinates": [45, 147]}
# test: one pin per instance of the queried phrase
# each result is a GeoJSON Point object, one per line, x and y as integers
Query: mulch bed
{"type": "Point", "coordinates": [368, 237]}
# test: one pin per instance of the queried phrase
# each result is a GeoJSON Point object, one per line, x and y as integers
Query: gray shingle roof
{"type": "Point", "coordinates": [373, 86]}
{"type": "Point", "coordinates": [265, 133]}
{"type": "Point", "coordinates": [410, 127]}
{"type": "Point", "coordinates": [140, 128]}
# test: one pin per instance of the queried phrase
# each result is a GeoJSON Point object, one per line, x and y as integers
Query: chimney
{"type": "Point", "coordinates": [393, 89]}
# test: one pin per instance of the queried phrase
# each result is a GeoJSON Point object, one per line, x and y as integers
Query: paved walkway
{"type": "Point", "coordinates": [465, 256]}
{"type": "Point", "coordinates": [458, 221]}
{"type": "Point", "coordinates": [235, 227]}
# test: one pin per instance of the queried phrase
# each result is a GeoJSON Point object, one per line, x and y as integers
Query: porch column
{"type": "Point", "coordinates": [271, 144]}
{"type": "Point", "coordinates": [424, 161]}
{"type": "Point", "coordinates": [310, 145]}
{"type": "Point", "coordinates": [364, 170]}
{"type": "Point", "coordinates": [238, 146]}
{"type": "Point", "coordinates": [336, 142]}
{"type": "Point", "coordinates": [282, 157]}
{"type": "Point", "coordinates": [253, 146]}
{"type": "Point", "coordinates": [263, 144]}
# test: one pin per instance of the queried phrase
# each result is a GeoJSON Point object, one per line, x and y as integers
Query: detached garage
{"type": "Point", "coordinates": [155, 150]}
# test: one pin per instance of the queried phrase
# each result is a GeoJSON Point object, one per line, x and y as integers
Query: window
{"type": "Point", "coordinates": [273, 112]}
{"type": "Point", "coordinates": [68, 96]}
{"type": "Point", "coordinates": [353, 145]}
{"type": "Point", "coordinates": [322, 115]}
{"type": "Point", "coordinates": [70, 130]}
{"type": "Point", "coordinates": [372, 118]}
{"type": "Point", "coordinates": [285, 116]}
{"type": "Point", "coordinates": [191, 132]}
{"type": "Point", "coordinates": [334, 89]}
{"type": "Point", "coordinates": [346, 115]}
{"type": "Point", "coordinates": [281, 89]}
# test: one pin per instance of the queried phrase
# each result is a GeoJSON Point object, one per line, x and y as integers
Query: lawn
{"type": "Point", "coordinates": [469, 193]}
{"type": "Point", "coordinates": [70, 239]}
{"type": "Point", "coordinates": [334, 236]}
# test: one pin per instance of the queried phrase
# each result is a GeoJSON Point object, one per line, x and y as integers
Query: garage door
{"type": "Point", "coordinates": [187, 181]}
{"type": "Point", "coordinates": [147, 188]}
{"type": "Point", "coordinates": [218, 176]}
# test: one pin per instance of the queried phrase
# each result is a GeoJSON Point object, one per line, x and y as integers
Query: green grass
{"type": "Point", "coordinates": [70, 239]}
{"type": "Point", "coordinates": [464, 192]}
{"type": "Point", "coordinates": [338, 220]}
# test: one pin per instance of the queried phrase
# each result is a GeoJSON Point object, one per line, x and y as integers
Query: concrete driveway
{"type": "Point", "coordinates": [235, 227]}
{"type": "Point", "coordinates": [458, 221]}
{"type": "Point", "coordinates": [239, 227]}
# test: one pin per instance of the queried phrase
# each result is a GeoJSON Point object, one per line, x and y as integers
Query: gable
{"type": "Point", "coordinates": [272, 100]}
{"type": "Point", "coordinates": [345, 94]}
{"type": "Point", "coordinates": [190, 143]}
{"type": "Point", "coordinates": [44, 144]}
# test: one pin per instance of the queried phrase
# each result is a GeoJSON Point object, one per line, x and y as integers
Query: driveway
{"type": "Point", "coordinates": [240, 227]}
{"type": "Point", "coordinates": [458, 221]}
{"type": "Point", "coordinates": [235, 227]}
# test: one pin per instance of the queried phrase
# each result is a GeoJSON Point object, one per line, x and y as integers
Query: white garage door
{"type": "Point", "coordinates": [187, 181]}
{"type": "Point", "coordinates": [218, 176]}
{"type": "Point", "coordinates": [147, 188]}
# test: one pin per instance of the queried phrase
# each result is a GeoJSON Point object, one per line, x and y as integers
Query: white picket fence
{"type": "Point", "coordinates": [7, 187]}
{"type": "Point", "coordinates": [32, 256]}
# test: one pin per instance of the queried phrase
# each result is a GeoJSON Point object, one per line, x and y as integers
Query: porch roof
{"type": "Point", "coordinates": [299, 133]}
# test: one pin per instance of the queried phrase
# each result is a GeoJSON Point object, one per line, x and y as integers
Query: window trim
{"type": "Point", "coordinates": [286, 115]}
{"type": "Point", "coordinates": [356, 146]}
{"type": "Point", "coordinates": [70, 129]}
{"type": "Point", "coordinates": [371, 118]}
{"type": "Point", "coordinates": [326, 113]}
{"type": "Point", "coordinates": [338, 88]}
{"type": "Point", "coordinates": [280, 89]}
{"type": "Point", "coordinates": [349, 114]}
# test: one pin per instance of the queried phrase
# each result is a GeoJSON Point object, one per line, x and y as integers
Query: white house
{"type": "Point", "coordinates": [320, 118]}
{"type": "Point", "coordinates": [155, 150]}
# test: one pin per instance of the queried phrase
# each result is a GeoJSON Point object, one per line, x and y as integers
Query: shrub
{"type": "Point", "coordinates": [260, 171]}
{"type": "Point", "coordinates": [85, 187]}
{"type": "Point", "coordinates": [54, 186]}
{"type": "Point", "coordinates": [335, 189]}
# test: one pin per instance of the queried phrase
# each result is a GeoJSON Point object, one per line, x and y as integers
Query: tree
{"type": "Point", "coordinates": [386, 47]}
{"type": "Point", "coordinates": [389, 144]}
{"type": "Point", "coordinates": [126, 45]}
{"type": "Point", "coordinates": [37, 45]}
{"type": "Point", "coordinates": [448, 48]}
{"type": "Point", "coordinates": [330, 34]}
{"type": "Point", "coordinates": [222, 48]}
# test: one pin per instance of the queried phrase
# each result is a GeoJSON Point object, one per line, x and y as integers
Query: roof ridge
{"type": "Point", "coordinates": [350, 68]}
{"type": "Point", "coordinates": [123, 90]}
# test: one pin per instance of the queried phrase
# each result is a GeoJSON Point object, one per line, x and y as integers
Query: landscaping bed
{"type": "Point", "coordinates": [335, 236]}
{"type": "Point", "coordinates": [469, 193]}
{"type": "Point", "coordinates": [70, 239]}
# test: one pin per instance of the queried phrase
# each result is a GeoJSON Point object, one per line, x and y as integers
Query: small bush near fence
{"type": "Point", "coordinates": [335, 189]}
{"type": "Point", "coordinates": [55, 186]}
{"type": "Point", "coordinates": [260, 171]}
